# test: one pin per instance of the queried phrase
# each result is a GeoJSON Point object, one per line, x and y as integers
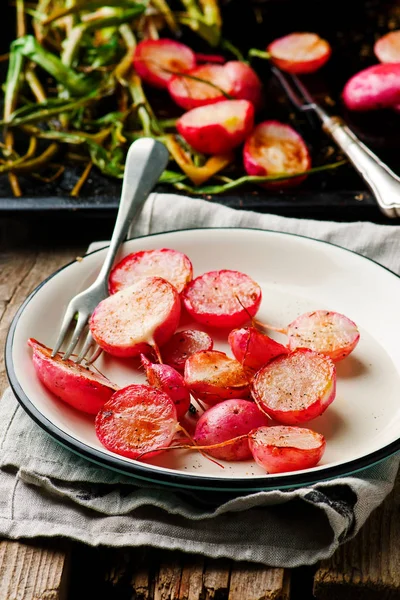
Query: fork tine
{"type": "Point", "coordinates": [82, 320]}
{"type": "Point", "coordinates": [69, 315]}
{"type": "Point", "coordinates": [289, 89]}
{"type": "Point", "coordinates": [88, 342]}
{"type": "Point", "coordinates": [94, 356]}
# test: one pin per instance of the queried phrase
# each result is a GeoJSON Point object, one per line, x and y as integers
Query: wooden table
{"type": "Point", "coordinates": [368, 567]}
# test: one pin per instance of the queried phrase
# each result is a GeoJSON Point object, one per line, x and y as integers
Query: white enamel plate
{"type": "Point", "coordinates": [362, 425]}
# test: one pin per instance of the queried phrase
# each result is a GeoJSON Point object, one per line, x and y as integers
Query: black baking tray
{"type": "Point", "coordinates": [351, 27]}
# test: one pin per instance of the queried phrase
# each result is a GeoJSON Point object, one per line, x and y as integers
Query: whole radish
{"type": "Point", "coordinates": [373, 88]}
{"type": "Point", "coordinates": [182, 345]}
{"type": "Point", "coordinates": [245, 83]}
{"type": "Point", "coordinates": [254, 349]}
{"type": "Point", "coordinates": [156, 61]}
{"type": "Point", "coordinates": [165, 378]}
{"type": "Point", "coordinates": [225, 421]}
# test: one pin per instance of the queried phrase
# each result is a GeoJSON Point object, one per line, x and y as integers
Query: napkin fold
{"type": "Point", "coordinates": [46, 490]}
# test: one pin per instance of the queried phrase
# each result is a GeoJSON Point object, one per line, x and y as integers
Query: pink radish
{"type": "Point", "coordinates": [193, 91]}
{"type": "Point", "coordinates": [299, 53]}
{"type": "Point", "coordinates": [222, 298]}
{"type": "Point", "coordinates": [274, 148]}
{"type": "Point", "coordinates": [143, 315]}
{"type": "Point", "coordinates": [246, 84]}
{"type": "Point", "coordinates": [373, 88]}
{"type": "Point", "coordinates": [212, 376]}
{"type": "Point", "coordinates": [165, 378]}
{"type": "Point", "coordinates": [219, 128]}
{"type": "Point", "coordinates": [254, 349]}
{"type": "Point", "coordinates": [227, 420]}
{"type": "Point", "coordinates": [137, 419]}
{"type": "Point", "coordinates": [171, 265]}
{"type": "Point", "coordinates": [281, 449]}
{"type": "Point", "coordinates": [387, 48]}
{"type": "Point", "coordinates": [156, 61]}
{"type": "Point", "coordinates": [326, 332]}
{"type": "Point", "coordinates": [182, 345]}
{"type": "Point", "coordinates": [295, 388]}
{"type": "Point", "coordinates": [85, 390]}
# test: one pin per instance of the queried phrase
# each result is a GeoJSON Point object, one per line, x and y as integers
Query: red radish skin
{"type": "Point", "coordinates": [182, 345]}
{"type": "Point", "coordinates": [225, 421]}
{"type": "Point", "coordinates": [85, 390]}
{"type": "Point", "coordinates": [219, 128]}
{"type": "Point", "coordinates": [283, 449]}
{"type": "Point", "coordinates": [299, 53]}
{"type": "Point", "coordinates": [165, 378]}
{"type": "Point", "coordinates": [210, 58]}
{"type": "Point", "coordinates": [373, 88]}
{"type": "Point", "coordinates": [274, 148]}
{"type": "Point", "coordinates": [190, 93]}
{"type": "Point", "coordinates": [222, 298]}
{"type": "Point", "coordinates": [156, 61]}
{"type": "Point", "coordinates": [212, 377]}
{"type": "Point", "coordinates": [254, 349]}
{"type": "Point", "coordinates": [246, 84]}
{"type": "Point", "coordinates": [295, 388]}
{"type": "Point", "coordinates": [326, 332]}
{"type": "Point", "coordinates": [137, 419]}
{"type": "Point", "coordinates": [169, 264]}
{"type": "Point", "coordinates": [138, 317]}
{"type": "Point", "coordinates": [387, 48]}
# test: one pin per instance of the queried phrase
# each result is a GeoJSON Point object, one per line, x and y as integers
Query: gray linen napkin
{"type": "Point", "coordinates": [48, 491]}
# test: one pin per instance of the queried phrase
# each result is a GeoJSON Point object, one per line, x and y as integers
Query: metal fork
{"type": "Point", "coordinates": [384, 184]}
{"type": "Point", "coordinates": [145, 161]}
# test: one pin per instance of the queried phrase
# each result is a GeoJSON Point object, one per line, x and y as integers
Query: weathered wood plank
{"type": "Point", "coordinates": [216, 579]}
{"type": "Point", "coordinates": [368, 567]}
{"type": "Point", "coordinates": [29, 572]}
{"type": "Point", "coordinates": [192, 578]}
{"type": "Point", "coordinates": [255, 582]}
{"type": "Point", "coordinates": [168, 579]}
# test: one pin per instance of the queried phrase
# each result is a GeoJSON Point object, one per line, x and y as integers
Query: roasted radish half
{"type": "Point", "coordinates": [373, 88]}
{"type": "Point", "coordinates": [165, 378]}
{"type": "Point", "coordinates": [245, 83]}
{"type": "Point", "coordinates": [225, 421]}
{"type": "Point", "coordinates": [281, 449]}
{"type": "Point", "coordinates": [182, 345]}
{"type": "Point", "coordinates": [85, 390]}
{"type": "Point", "coordinates": [295, 388]}
{"type": "Point", "coordinates": [143, 315]}
{"type": "Point", "coordinates": [222, 298]}
{"type": "Point", "coordinates": [254, 349]}
{"type": "Point", "coordinates": [387, 48]}
{"type": "Point", "coordinates": [274, 148]}
{"type": "Point", "coordinates": [203, 85]}
{"type": "Point", "coordinates": [326, 332]}
{"type": "Point", "coordinates": [156, 61]}
{"type": "Point", "coordinates": [171, 265]}
{"type": "Point", "coordinates": [212, 376]}
{"type": "Point", "coordinates": [299, 53]}
{"type": "Point", "coordinates": [218, 128]}
{"type": "Point", "coordinates": [137, 419]}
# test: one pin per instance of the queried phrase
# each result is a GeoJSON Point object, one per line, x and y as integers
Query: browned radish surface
{"type": "Point", "coordinates": [142, 315]}
{"type": "Point", "coordinates": [295, 388]}
{"type": "Point", "coordinates": [387, 48]}
{"type": "Point", "coordinates": [182, 345]}
{"type": "Point", "coordinates": [222, 298]}
{"type": "Point", "coordinates": [300, 52]}
{"type": "Point", "coordinates": [156, 61]}
{"type": "Point", "coordinates": [169, 264]}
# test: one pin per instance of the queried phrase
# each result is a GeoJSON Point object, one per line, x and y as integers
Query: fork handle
{"type": "Point", "coordinates": [384, 184]}
{"type": "Point", "coordinates": [145, 161]}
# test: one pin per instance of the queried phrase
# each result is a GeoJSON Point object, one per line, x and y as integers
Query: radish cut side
{"type": "Point", "coordinates": [156, 61]}
{"type": "Point", "coordinates": [299, 52]}
{"type": "Point", "coordinates": [135, 420]}
{"type": "Point", "coordinates": [85, 390]}
{"type": "Point", "coordinates": [191, 93]}
{"type": "Point", "coordinates": [222, 298]}
{"type": "Point", "coordinates": [295, 388]}
{"type": "Point", "coordinates": [274, 148]}
{"type": "Point", "coordinates": [142, 315]}
{"type": "Point", "coordinates": [387, 48]}
{"type": "Point", "coordinates": [171, 265]}
{"type": "Point", "coordinates": [219, 128]}
{"type": "Point", "coordinates": [182, 345]}
{"type": "Point", "coordinates": [212, 376]}
{"type": "Point", "coordinates": [225, 421]}
{"type": "Point", "coordinates": [326, 332]}
{"type": "Point", "coordinates": [281, 449]}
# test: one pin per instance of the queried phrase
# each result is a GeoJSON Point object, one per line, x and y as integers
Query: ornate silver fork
{"type": "Point", "coordinates": [145, 161]}
{"type": "Point", "coordinates": [384, 184]}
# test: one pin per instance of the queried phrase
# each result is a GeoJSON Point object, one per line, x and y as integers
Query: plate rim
{"type": "Point", "coordinates": [208, 483]}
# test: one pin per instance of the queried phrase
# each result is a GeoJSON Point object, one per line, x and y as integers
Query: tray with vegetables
{"type": "Point", "coordinates": [83, 80]}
